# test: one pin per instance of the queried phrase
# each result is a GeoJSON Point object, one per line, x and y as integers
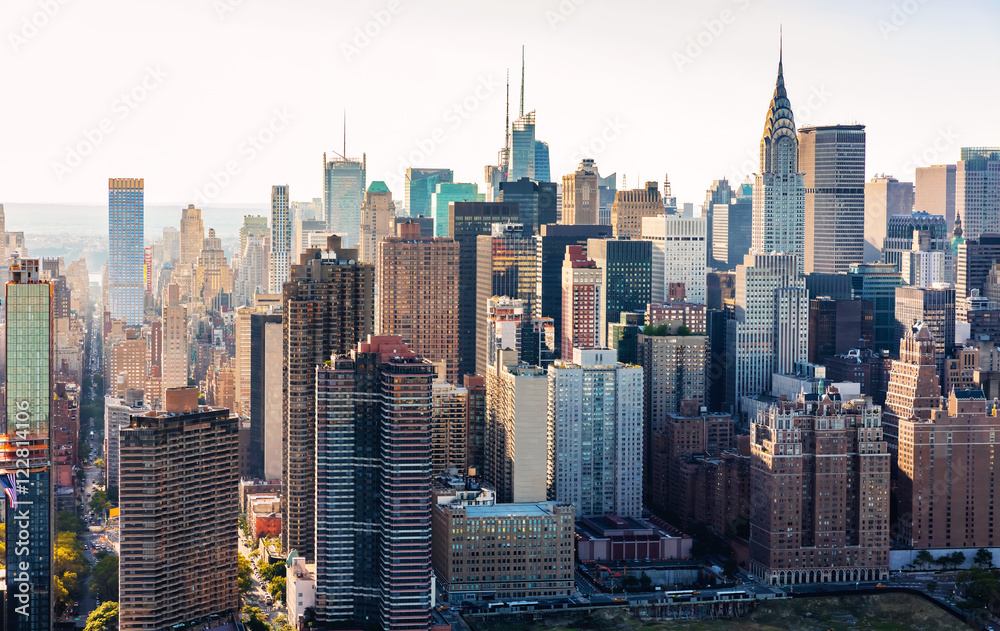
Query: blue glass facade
{"type": "Point", "coordinates": [542, 161]}
{"type": "Point", "coordinates": [343, 195]}
{"type": "Point", "coordinates": [420, 185]}
{"type": "Point", "coordinates": [523, 148]}
{"type": "Point", "coordinates": [126, 260]}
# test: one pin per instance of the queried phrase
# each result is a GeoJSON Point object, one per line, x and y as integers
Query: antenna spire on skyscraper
{"type": "Point", "coordinates": [521, 115]}
{"type": "Point", "coordinates": [344, 155]}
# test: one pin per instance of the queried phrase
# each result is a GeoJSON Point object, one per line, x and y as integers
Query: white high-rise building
{"type": "Point", "coordinates": [770, 330]}
{"type": "Point", "coordinates": [779, 193]}
{"type": "Point", "coordinates": [281, 239]}
{"type": "Point", "coordinates": [977, 190]}
{"type": "Point", "coordinates": [595, 416]}
{"type": "Point", "coordinates": [680, 249]}
{"type": "Point", "coordinates": [505, 323]}
{"type": "Point", "coordinates": [516, 441]}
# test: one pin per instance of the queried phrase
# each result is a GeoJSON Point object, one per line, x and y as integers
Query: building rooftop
{"type": "Point", "coordinates": [520, 509]}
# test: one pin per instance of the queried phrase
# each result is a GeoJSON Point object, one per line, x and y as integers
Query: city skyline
{"type": "Point", "coordinates": [207, 99]}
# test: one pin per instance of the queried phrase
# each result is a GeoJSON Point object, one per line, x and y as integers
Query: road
{"type": "Point", "coordinates": [258, 591]}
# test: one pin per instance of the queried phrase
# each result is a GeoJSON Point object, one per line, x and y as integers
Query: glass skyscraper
{"type": "Point", "coordinates": [343, 194]}
{"type": "Point", "coordinates": [523, 148]}
{"type": "Point", "coordinates": [542, 162]}
{"type": "Point", "coordinates": [27, 463]}
{"type": "Point", "coordinates": [126, 260]}
{"type": "Point", "coordinates": [420, 185]}
{"type": "Point", "coordinates": [444, 194]}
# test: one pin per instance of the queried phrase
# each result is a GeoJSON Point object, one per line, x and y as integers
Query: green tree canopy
{"type": "Point", "coordinates": [255, 619]}
{"type": "Point", "coordinates": [104, 618]}
{"type": "Point", "coordinates": [243, 575]}
{"type": "Point", "coordinates": [277, 588]}
{"type": "Point", "coordinates": [104, 582]}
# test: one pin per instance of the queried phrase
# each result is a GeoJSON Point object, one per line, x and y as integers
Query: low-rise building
{"type": "Point", "coordinates": [300, 592]}
{"type": "Point", "coordinates": [616, 538]}
{"type": "Point", "coordinates": [263, 516]}
{"type": "Point", "coordinates": [503, 551]}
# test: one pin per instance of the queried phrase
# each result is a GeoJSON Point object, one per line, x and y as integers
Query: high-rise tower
{"type": "Point", "coordinates": [343, 194]}
{"type": "Point", "coordinates": [779, 189]}
{"type": "Point", "coordinates": [125, 250]}
{"type": "Point", "coordinates": [281, 238]}
{"type": "Point", "coordinates": [327, 307]}
{"type": "Point", "coordinates": [28, 479]}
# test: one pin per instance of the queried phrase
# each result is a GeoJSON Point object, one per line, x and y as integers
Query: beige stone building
{"type": "Point", "coordinates": [378, 220]}
{"type": "Point", "coordinates": [503, 551]}
{"type": "Point", "coordinates": [631, 206]}
{"type": "Point", "coordinates": [581, 199]}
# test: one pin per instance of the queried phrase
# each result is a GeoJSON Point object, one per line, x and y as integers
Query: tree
{"type": "Point", "coordinates": [255, 619]}
{"type": "Point", "coordinates": [730, 567]}
{"type": "Point", "coordinates": [281, 623]}
{"type": "Point", "coordinates": [683, 330]}
{"type": "Point", "coordinates": [952, 560]}
{"type": "Point", "coordinates": [923, 558]}
{"type": "Point", "coordinates": [309, 616]}
{"type": "Point", "coordinates": [983, 558]}
{"type": "Point", "coordinates": [67, 521]}
{"type": "Point", "coordinates": [645, 582]}
{"type": "Point", "coordinates": [99, 463]}
{"type": "Point", "coordinates": [112, 494]}
{"type": "Point", "coordinates": [104, 581]}
{"type": "Point", "coordinates": [62, 596]}
{"type": "Point", "coordinates": [277, 588]}
{"type": "Point", "coordinates": [931, 586]}
{"type": "Point", "coordinates": [104, 618]}
{"type": "Point", "coordinates": [243, 575]}
{"type": "Point", "coordinates": [272, 571]}
{"type": "Point", "coordinates": [99, 502]}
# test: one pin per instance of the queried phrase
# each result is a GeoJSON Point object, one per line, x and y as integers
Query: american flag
{"type": "Point", "coordinates": [9, 483]}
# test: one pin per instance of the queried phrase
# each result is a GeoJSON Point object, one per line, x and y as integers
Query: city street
{"type": "Point", "coordinates": [257, 596]}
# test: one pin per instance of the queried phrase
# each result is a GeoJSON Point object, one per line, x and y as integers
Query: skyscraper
{"type": "Point", "coordinates": [632, 206]}
{"type": "Point", "coordinates": [515, 441]}
{"type": "Point", "coordinates": [179, 563]}
{"type": "Point", "coordinates": [627, 272]}
{"type": "Point", "coordinates": [819, 492]}
{"type": "Point", "coordinates": [468, 221]}
{"type": "Point", "coordinates": [373, 487]}
{"type": "Point", "coordinates": [446, 194]}
{"type": "Point", "coordinates": [419, 185]}
{"type": "Point", "coordinates": [582, 302]}
{"type": "Point", "coordinates": [192, 234]}
{"type": "Point", "coordinates": [770, 330]}
{"type": "Point", "coordinates": [779, 189]}
{"type": "Point", "coordinates": [126, 273]}
{"type": "Point", "coordinates": [418, 283]}
{"type": "Point", "coordinates": [505, 266]}
{"type": "Point", "coordinates": [933, 306]}
{"type": "Point", "coordinates": [30, 528]}
{"type": "Point", "coordinates": [719, 194]}
{"type": "Point", "coordinates": [281, 239]}
{"type": "Point", "coordinates": [901, 231]}
{"type": "Point", "coordinates": [327, 307]}
{"type": "Point", "coordinates": [877, 283]}
{"type": "Point", "coordinates": [732, 227]}
{"type": "Point", "coordinates": [541, 161]}
{"type": "Point", "coordinates": [175, 344]}
{"type": "Point", "coordinates": [885, 196]}
{"type": "Point", "coordinates": [537, 202]}
{"type": "Point", "coordinates": [914, 390]}
{"type": "Point", "coordinates": [343, 193]}
{"type": "Point", "coordinates": [595, 421]}
{"type": "Point", "coordinates": [550, 252]}
{"type": "Point", "coordinates": [977, 191]}
{"type": "Point", "coordinates": [679, 254]}
{"type": "Point", "coordinates": [580, 196]}
{"type": "Point", "coordinates": [832, 160]}
{"type": "Point", "coordinates": [265, 396]}
{"type": "Point", "coordinates": [975, 259]}
{"type": "Point", "coordinates": [934, 191]}
{"type": "Point", "coordinates": [378, 220]}
{"type": "Point", "coordinates": [523, 148]}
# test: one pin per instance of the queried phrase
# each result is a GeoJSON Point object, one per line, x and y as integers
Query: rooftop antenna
{"type": "Point", "coordinates": [522, 81]}
{"type": "Point", "coordinates": [345, 133]}
{"type": "Point", "coordinates": [780, 43]}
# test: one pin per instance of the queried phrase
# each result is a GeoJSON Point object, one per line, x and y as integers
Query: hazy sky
{"type": "Point", "coordinates": [174, 91]}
